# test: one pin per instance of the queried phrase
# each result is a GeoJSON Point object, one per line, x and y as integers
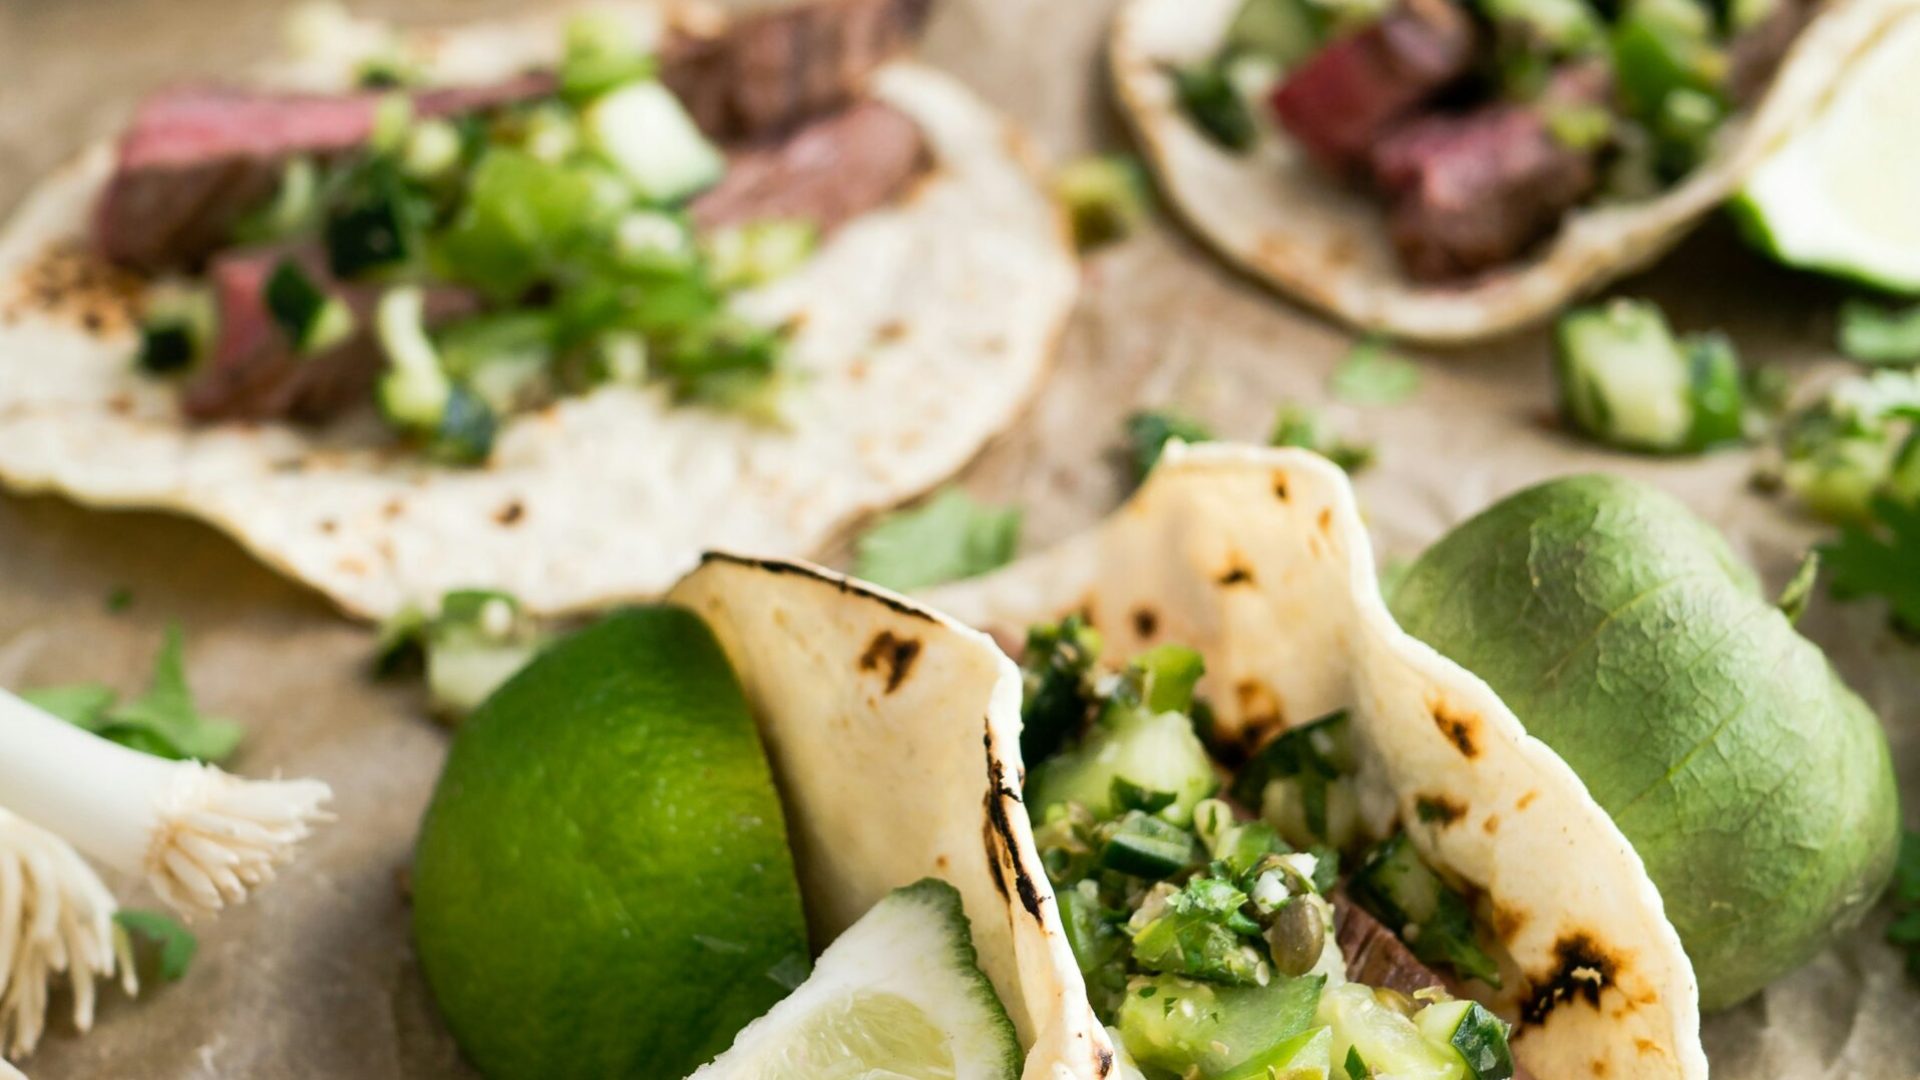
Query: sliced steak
{"type": "Point", "coordinates": [253, 373]}
{"type": "Point", "coordinates": [828, 172]}
{"type": "Point", "coordinates": [1345, 97]}
{"type": "Point", "coordinates": [764, 73]}
{"type": "Point", "coordinates": [197, 160]}
{"type": "Point", "coordinates": [1474, 191]}
{"type": "Point", "coordinates": [1375, 955]}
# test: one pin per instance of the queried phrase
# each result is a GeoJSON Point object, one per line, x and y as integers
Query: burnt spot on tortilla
{"type": "Point", "coordinates": [1599, 1067]}
{"type": "Point", "coordinates": [1103, 1065]}
{"type": "Point", "coordinates": [1491, 825]}
{"type": "Point", "coordinates": [891, 656]}
{"type": "Point", "coordinates": [1280, 485]}
{"type": "Point", "coordinates": [510, 514]}
{"type": "Point", "coordinates": [1582, 970]}
{"type": "Point", "coordinates": [1260, 708]}
{"type": "Point", "coordinates": [1526, 800]}
{"type": "Point", "coordinates": [393, 509]}
{"type": "Point", "coordinates": [1326, 519]}
{"type": "Point", "coordinates": [1461, 728]}
{"type": "Point", "coordinates": [68, 281]}
{"type": "Point", "coordinates": [844, 584]}
{"type": "Point", "coordinates": [1438, 809]}
{"type": "Point", "coordinates": [120, 404]}
{"type": "Point", "coordinates": [941, 862]}
{"type": "Point", "coordinates": [1508, 922]}
{"type": "Point", "coordinates": [1000, 842]}
{"type": "Point", "coordinates": [1236, 573]}
{"type": "Point", "coordinates": [329, 526]}
{"type": "Point", "coordinates": [890, 331]}
{"type": "Point", "coordinates": [1647, 1047]}
{"type": "Point", "coordinates": [1145, 622]}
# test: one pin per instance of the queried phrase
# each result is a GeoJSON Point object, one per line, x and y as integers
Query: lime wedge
{"type": "Point", "coordinates": [899, 996]}
{"type": "Point", "coordinates": [1839, 196]}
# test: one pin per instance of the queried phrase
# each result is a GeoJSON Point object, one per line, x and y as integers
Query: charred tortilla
{"type": "Point", "coordinates": [923, 328]}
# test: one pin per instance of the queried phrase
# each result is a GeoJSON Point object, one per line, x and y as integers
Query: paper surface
{"type": "Point", "coordinates": [316, 977]}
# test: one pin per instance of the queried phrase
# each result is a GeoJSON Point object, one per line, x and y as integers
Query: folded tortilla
{"type": "Point", "coordinates": [894, 736]}
{"type": "Point", "coordinates": [1277, 216]}
{"type": "Point", "coordinates": [924, 329]}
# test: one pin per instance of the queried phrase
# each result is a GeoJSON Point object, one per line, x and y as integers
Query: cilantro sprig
{"type": "Point", "coordinates": [1881, 559]}
{"type": "Point", "coordinates": [163, 721]}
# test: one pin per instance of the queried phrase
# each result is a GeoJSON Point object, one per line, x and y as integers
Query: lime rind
{"type": "Point", "coordinates": [1837, 197]}
{"type": "Point", "coordinates": [914, 947]}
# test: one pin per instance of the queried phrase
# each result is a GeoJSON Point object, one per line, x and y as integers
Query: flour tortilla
{"type": "Point", "coordinates": [894, 735]}
{"type": "Point", "coordinates": [926, 327]}
{"type": "Point", "coordinates": [1278, 217]}
{"type": "Point", "coordinates": [1258, 558]}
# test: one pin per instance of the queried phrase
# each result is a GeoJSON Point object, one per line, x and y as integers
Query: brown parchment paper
{"type": "Point", "coordinates": [317, 978]}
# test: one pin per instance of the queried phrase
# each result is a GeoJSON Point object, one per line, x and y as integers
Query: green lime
{"type": "Point", "coordinates": [899, 996]}
{"type": "Point", "coordinates": [1838, 197]}
{"type": "Point", "coordinates": [603, 886]}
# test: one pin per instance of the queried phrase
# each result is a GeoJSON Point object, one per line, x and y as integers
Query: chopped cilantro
{"type": "Point", "coordinates": [1373, 374]}
{"type": "Point", "coordinates": [1875, 335]}
{"type": "Point", "coordinates": [1149, 431]}
{"type": "Point", "coordinates": [175, 943]}
{"type": "Point", "coordinates": [162, 722]}
{"type": "Point", "coordinates": [1296, 425]}
{"type": "Point", "coordinates": [948, 538]}
{"type": "Point", "coordinates": [1881, 559]}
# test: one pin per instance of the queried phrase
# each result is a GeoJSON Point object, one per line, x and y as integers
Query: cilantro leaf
{"type": "Point", "coordinates": [1373, 374]}
{"type": "Point", "coordinates": [176, 943]}
{"type": "Point", "coordinates": [1296, 425]}
{"type": "Point", "coordinates": [1875, 335]}
{"type": "Point", "coordinates": [84, 705]}
{"type": "Point", "coordinates": [162, 722]}
{"type": "Point", "coordinates": [1149, 431]}
{"type": "Point", "coordinates": [948, 538]}
{"type": "Point", "coordinates": [1881, 560]}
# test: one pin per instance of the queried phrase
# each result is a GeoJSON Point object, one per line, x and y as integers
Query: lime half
{"type": "Point", "coordinates": [899, 996]}
{"type": "Point", "coordinates": [1840, 196]}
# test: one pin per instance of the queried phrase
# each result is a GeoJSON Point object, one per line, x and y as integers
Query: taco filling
{"type": "Point", "coordinates": [462, 254]}
{"type": "Point", "coordinates": [1247, 928]}
{"type": "Point", "coordinates": [1478, 126]}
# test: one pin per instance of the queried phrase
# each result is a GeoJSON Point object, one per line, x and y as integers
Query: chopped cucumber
{"type": "Point", "coordinates": [900, 993]}
{"type": "Point", "coordinates": [175, 330]}
{"type": "Point", "coordinates": [1283, 31]}
{"type": "Point", "coordinates": [1383, 1038]}
{"type": "Point", "coordinates": [643, 130]}
{"type": "Point", "coordinates": [757, 252]}
{"type": "Point", "coordinates": [1628, 382]}
{"type": "Point", "coordinates": [1211, 100]}
{"type": "Point", "coordinates": [1838, 196]}
{"type": "Point", "coordinates": [1404, 893]}
{"type": "Point", "coordinates": [1306, 1056]}
{"type": "Point", "coordinates": [1107, 198]}
{"type": "Point", "coordinates": [313, 321]}
{"type": "Point", "coordinates": [505, 358]}
{"type": "Point", "coordinates": [1210, 1032]}
{"type": "Point", "coordinates": [649, 238]}
{"type": "Point", "coordinates": [1148, 847]}
{"type": "Point", "coordinates": [479, 640]}
{"type": "Point", "coordinates": [1476, 1035]}
{"type": "Point", "coordinates": [603, 52]}
{"type": "Point", "coordinates": [1152, 751]}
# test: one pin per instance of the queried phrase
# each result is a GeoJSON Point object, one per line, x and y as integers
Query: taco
{"type": "Point", "coordinates": [1446, 171]}
{"type": "Point", "coordinates": [543, 305]}
{"type": "Point", "coordinates": [1496, 910]}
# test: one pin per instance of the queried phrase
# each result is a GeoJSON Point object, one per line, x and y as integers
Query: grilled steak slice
{"type": "Point", "coordinates": [764, 73]}
{"type": "Point", "coordinates": [253, 372]}
{"type": "Point", "coordinates": [827, 172]}
{"type": "Point", "coordinates": [1346, 96]}
{"type": "Point", "coordinates": [195, 161]}
{"type": "Point", "coordinates": [1474, 191]}
{"type": "Point", "coordinates": [1376, 955]}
